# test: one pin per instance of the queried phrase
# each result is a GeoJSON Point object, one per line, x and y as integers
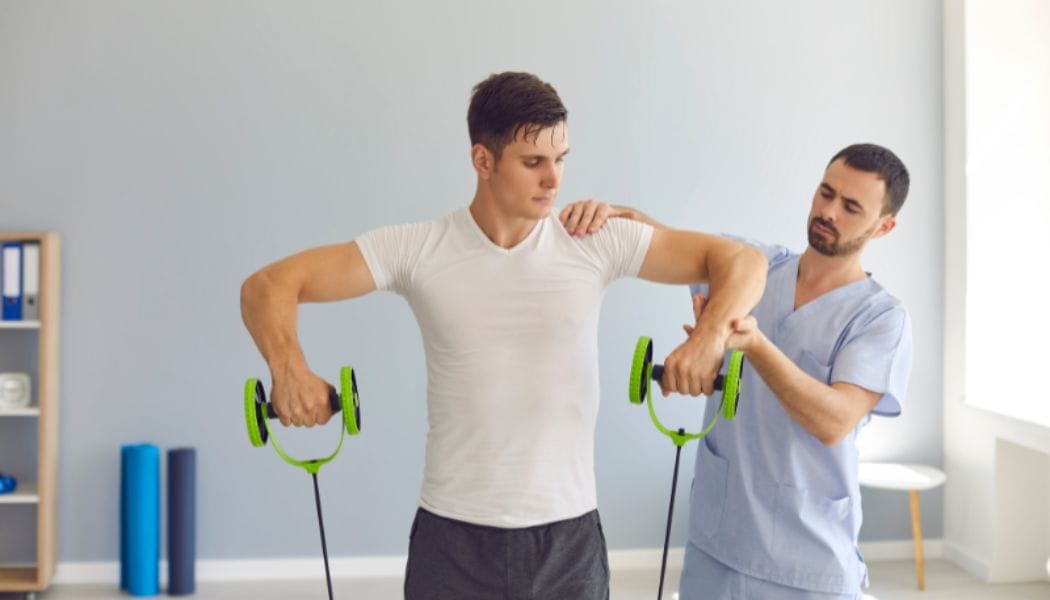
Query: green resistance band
{"type": "Point", "coordinates": [258, 413]}
{"type": "Point", "coordinates": [642, 372]}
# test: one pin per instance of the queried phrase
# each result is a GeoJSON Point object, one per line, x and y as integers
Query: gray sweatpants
{"type": "Point", "coordinates": [454, 560]}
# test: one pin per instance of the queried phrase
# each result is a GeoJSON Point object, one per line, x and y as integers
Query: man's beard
{"type": "Point", "coordinates": [832, 247]}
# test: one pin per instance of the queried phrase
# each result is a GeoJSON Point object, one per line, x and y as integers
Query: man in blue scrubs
{"type": "Point", "coordinates": [775, 503]}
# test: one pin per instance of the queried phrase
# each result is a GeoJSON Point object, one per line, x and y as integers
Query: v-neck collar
{"type": "Point", "coordinates": [494, 246]}
{"type": "Point", "coordinates": [788, 310]}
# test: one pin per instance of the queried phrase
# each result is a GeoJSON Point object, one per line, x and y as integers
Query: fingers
{"type": "Point", "coordinates": [301, 415]}
{"type": "Point", "coordinates": [307, 408]}
{"type": "Point", "coordinates": [324, 410]}
{"type": "Point", "coordinates": [582, 217]}
{"type": "Point", "coordinates": [686, 378]}
{"type": "Point", "coordinates": [585, 216]}
{"type": "Point", "coordinates": [699, 301]}
{"type": "Point", "coordinates": [668, 383]}
{"type": "Point", "coordinates": [570, 216]}
{"type": "Point", "coordinates": [744, 334]}
{"type": "Point", "coordinates": [744, 325]}
{"type": "Point", "coordinates": [325, 415]}
{"type": "Point", "coordinates": [693, 366]}
{"type": "Point", "coordinates": [596, 214]}
{"type": "Point", "coordinates": [587, 220]}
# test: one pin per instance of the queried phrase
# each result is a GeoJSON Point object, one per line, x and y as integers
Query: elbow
{"type": "Point", "coordinates": [739, 257]}
{"type": "Point", "coordinates": [751, 267]}
{"type": "Point", "coordinates": [830, 439]}
{"type": "Point", "coordinates": [756, 261]}
{"type": "Point", "coordinates": [832, 435]}
{"type": "Point", "coordinates": [253, 288]}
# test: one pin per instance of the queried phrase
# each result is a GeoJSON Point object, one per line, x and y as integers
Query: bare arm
{"type": "Point", "coordinates": [828, 412]}
{"type": "Point", "coordinates": [736, 274]}
{"type": "Point", "coordinates": [269, 307]}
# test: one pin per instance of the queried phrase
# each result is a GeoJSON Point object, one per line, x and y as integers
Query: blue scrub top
{"type": "Point", "coordinates": [768, 498]}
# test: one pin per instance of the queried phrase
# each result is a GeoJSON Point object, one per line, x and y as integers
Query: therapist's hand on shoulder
{"type": "Point", "coordinates": [584, 217]}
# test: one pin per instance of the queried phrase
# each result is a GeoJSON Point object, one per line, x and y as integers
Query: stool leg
{"type": "Point", "coordinates": [916, 532]}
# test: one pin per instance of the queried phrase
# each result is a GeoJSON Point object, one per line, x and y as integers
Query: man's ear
{"type": "Point", "coordinates": [886, 226]}
{"type": "Point", "coordinates": [483, 160]}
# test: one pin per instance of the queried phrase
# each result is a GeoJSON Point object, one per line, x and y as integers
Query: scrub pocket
{"type": "Point", "coordinates": [709, 490]}
{"type": "Point", "coordinates": [804, 520]}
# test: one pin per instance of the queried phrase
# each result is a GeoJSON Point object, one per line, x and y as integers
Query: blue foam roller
{"type": "Point", "coordinates": [182, 519]}
{"type": "Point", "coordinates": [124, 450]}
{"type": "Point", "coordinates": [142, 520]}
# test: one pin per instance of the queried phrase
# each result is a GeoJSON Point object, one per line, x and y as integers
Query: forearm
{"type": "Point", "coordinates": [737, 278]}
{"type": "Point", "coordinates": [270, 298]}
{"type": "Point", "coordinates": [823, 411]}
{"type": "Point", "coordinates": [270, 311]}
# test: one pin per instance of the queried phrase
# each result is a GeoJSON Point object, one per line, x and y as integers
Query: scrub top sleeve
{"type": "Point", "coordinates": [774, 253]}
{"type": "Point", "coordinates": [878, 358]}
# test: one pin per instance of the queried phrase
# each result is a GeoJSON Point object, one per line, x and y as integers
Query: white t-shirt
{"type": "Point", "coordinates": [511, 342]}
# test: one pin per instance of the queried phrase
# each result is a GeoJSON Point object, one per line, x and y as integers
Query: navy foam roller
{"type": "Point", "coordinates": [182, 520]}
{"type": "Point", "coordinates": [142, 519]}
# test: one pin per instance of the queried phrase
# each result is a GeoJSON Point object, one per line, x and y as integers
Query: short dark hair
{"type": "Point", "coordinates": [873, 158]}
{"type": "Point", "coordinates": [506, 103]}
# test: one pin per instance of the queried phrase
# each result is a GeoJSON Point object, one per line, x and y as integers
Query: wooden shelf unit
{"type": "Point", "coordinates": [43, 492]}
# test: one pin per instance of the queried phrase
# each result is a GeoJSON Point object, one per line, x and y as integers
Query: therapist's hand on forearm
{"type": "Point", "coordinates": [744, 332]}
{"type": "Point", "coordinates": [745, 335]}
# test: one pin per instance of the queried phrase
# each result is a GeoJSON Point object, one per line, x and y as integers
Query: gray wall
{"type": "Point", "coordinates": [178, 146]}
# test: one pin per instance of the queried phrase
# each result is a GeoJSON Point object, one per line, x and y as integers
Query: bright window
{"type": "Point", "coordinates": [1007, 54]}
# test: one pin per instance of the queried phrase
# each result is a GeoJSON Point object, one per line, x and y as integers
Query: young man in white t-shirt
{"type": "Point", "coordinates": [507, 303]}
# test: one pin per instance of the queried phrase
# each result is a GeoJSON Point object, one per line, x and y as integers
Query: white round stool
{"type": "Point", "coordinates": [910, 478]}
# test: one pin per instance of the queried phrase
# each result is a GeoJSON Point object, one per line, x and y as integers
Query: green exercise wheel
{"type": "Point", "coordinates": [258, 413]}
{"type": "Point", "coordinates": [642, 372]}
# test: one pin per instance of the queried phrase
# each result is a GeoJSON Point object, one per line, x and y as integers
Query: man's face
{"type": "Point", "coordinates": [847, 210]}
{"type": "Point", "coordinates": [526, 178]}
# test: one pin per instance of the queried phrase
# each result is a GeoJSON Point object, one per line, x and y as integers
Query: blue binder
{"type": "Point", "coordinates": [12, 281]}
